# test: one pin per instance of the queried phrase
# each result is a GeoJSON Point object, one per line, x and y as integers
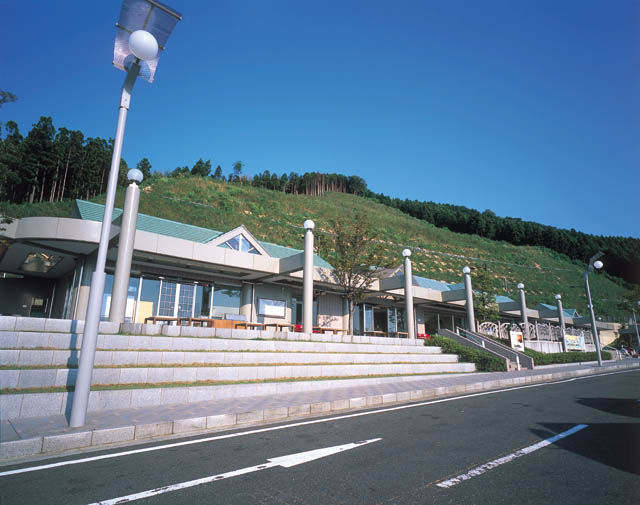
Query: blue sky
{"type": "Point", "coordinates": [530, 108]}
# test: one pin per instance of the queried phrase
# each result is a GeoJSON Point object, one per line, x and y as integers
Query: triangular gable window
{"type": "Point", "coordinates": [240, 243]}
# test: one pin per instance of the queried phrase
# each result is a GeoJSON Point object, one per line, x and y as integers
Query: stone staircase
{"type": "Point", "coordinates": [141, 365]}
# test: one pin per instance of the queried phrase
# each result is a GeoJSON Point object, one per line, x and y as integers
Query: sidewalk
{"type": "Point", "coordinates": [50, 435]}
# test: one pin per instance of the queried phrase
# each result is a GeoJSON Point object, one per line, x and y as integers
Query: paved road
{"type": "Point", "coordinates": [486, 447]}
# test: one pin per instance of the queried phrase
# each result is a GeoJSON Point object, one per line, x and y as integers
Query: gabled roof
{"type": "Point", "coordinates": [567, 312]}
{"type": "Point", "coordinates": [503, 299]}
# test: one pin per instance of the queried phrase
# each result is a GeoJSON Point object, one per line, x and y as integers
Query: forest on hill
{"type": "Point", "coordinates": [51, 165]}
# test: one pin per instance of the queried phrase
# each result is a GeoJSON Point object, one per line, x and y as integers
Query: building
{"type": "Point", "coordinates": [181, 271]}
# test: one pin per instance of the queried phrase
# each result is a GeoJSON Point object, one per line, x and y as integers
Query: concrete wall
{"type": "Point", "coordinates": [273, 293]}
{"type": "Point", "coordinates": [16, 295]}
{"type": "Point", "coordinates": [330, 311]}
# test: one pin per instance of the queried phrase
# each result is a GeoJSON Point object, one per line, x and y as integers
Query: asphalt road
{"type": "Point", "coordinates": [483, 446]}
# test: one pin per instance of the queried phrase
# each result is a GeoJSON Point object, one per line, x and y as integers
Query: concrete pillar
{"type": "Point", "coordinates": [523, 310]}
{"type": "Point", "coordinates": [408, 294]}
{"type": "Point", "coordinates": [125, 251]}
{"type": "Point", "coordinates": [468, 291]}
{"type": "Point", "coordinates": [246, 301]}
{"type": "Point", "coordinates": [307, 290]}
{"type": "Point", "coordinates": [561, 320]}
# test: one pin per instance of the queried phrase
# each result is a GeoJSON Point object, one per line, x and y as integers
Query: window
{"type": "Point", "coordinates": [226, 300]}
{"type": "Point", "coordinates": [240, 243]}
{"type": "Point", "coordinates": [272, 308]}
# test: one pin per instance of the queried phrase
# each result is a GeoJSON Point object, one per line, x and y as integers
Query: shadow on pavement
{"type": "Point", "coordinates": [621, 406]}
{"type": "Point", "coordinates": [613, 444]}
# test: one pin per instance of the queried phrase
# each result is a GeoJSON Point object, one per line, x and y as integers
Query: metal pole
{"type": "Point", "coordinates": [408, 295]}
{"type": "Point", "coordinates": [92, 321]}
{"type": "Point", "coordinates": [120, 290]}
{"type": "Point", "coordinates": [635, 321]}
{"type": "Point", "coordinates": [561, 320]}
{"type": "Point", "coordinates": [523, 311]}
{"type": "Point", "coordinates": [594, 330]}
{"type": "Point", "coordinates": [307, 301]}
{"type": "Point", "coordinates": [468, 291]}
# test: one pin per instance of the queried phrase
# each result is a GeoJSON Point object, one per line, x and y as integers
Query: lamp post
{"type": "Point", "coordinates": [561, 320]}
{"type": "Point", "coordinates": [408, 294]}
{"type": "Point", "coordinates": [125, 248]}
{"type": "Point", "coordinates": [141, 33]}
{"type": "Point", "coordinates": [468, 291]}
{"type": "Point", "coordinates": [523, 310]}
{"type": "Point", "coordinates": [635, 322]}
{"type": "Point", "coordinates": [594, 263]}
{"type": "Point", "coordinates": [307, 281]}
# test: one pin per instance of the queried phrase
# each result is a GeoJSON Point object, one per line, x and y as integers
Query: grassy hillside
{"type": "Point", "coordinates": [437, 253]}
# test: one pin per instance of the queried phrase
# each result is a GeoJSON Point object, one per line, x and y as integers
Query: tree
{"type": "Point", "coordinates": [217, 175]}
{"type": "Point", "coordinates": [178, 171]}
{"type": "Point", "coordinates": [350, 246]}
{"type": "Point", "coordinates": [144, 165]}
{"type": "Point", "coordinates": [10, 161]}
{"type": "Point", "coordinates": [484, 298]}
{"type": "Point", "coordinates": [201, 168]}
{"type": "Point", "coordinates": [237, 170]}
{"type": "Point", "coordinates": [7, 97]}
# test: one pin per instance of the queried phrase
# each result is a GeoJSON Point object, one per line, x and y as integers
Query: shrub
{"type": "Point", "coordinates": [484, 361]}
{"type": "Point", "coordinates": [541, 358]}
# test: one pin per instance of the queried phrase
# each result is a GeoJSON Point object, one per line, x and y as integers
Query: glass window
{"type": "Point", "coordinates": [402, 323]}
{"type": "Point", "coordinates": [226, 300]}
{"type": "Point", "coordinates": [148, 299]}
{"type": "Point", "coordinates": [132, 296]}
{"type": "Point", "coordinates": [357, 320]}
{"type": "Point", "coordinates": [203, 300]}
{"type": "Point", "coordinates": [391, 320]}
{"type": "Point", "coordinates": [240, 243]}
{"type": "Point", "coordinates": [106, 297]}
{"type": "Point", "coordinates": [185, 300]}
{"type": "Point", "coordinates": [430, 323]}
{"type": "Point", "coordinates": [446, 322]}
{"type": "Point", "coordinates": [368, 318]}
{"type": "Point", "coordinates": [167, 298]}
{"type": "Point", "coordinates": [460, 322]}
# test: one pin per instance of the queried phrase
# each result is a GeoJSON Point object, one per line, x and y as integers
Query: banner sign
{"type": "Point", "coordinates": [517, 340]}
{"type": "Point", "coordinates": [574, 342]}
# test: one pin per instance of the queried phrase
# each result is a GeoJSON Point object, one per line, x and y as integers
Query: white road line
{"type": "Point", "coordinates": [287, 426]}
{"type": "Point", "coordinates": [283, 461]}
{"type": "Point", "coordinates": [479, 470]}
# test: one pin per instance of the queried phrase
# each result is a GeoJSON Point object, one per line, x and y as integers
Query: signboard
{"type": "Point", "coordinates": [517, 340]}
{"type": "Point", "coordinates": [574, 342]}
{"type": "Point", "coordinates": [272, 308]}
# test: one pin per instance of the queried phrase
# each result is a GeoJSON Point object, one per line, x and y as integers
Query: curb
{"type": "Point", "coordinates": [57, 444]}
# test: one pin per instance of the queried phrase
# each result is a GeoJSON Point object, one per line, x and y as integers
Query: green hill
{"type": "Point", "coordinates": [438, 253]}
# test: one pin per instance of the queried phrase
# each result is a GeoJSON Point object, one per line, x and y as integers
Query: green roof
{"type": "Point", "coordinates": [95, 212]}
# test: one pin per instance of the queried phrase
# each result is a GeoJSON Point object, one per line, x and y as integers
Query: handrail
{"type": "Point", "coordinates": [498, 348]}
{"type": "Point", "coordinates": [609, 348]}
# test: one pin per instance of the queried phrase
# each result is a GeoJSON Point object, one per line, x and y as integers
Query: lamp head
{"type": "Point", "coordinates": [520, 285]}
{"type": "Point", "coordinates": [406, 253]}
{"type": "Point", "coordinates": [135, 175]}
{"type": "Point", "coordinates": [598, 264]}
{"type": "Point", "coordinates": [558, 297]}
{"type": "Point", "coordinates": [466, 270]}
{"type": "Point", "coordinates": [309, 225]}
{"type": "Point", "coordinates": [143, 45]}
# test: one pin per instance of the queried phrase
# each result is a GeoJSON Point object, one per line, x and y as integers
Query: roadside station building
{"type": "Point", "coordinates": [180, 271]}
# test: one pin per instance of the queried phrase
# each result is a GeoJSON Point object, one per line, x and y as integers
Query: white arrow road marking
{"type": "Point", "coordinates": [284, 461]}
{"type": "Point", "coordinates": [479, 470]}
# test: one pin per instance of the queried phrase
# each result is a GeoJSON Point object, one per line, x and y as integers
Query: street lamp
{"type": "Point", "coordinates": [408, 294]}
{"type": "Point", "coordinates": [597, 264]}
{"type": "Point", "coordinates": [468, 290]}
{"type": "Point", "coordinates": [558, 298]}
{"type": "Point", "coordinates": [635, 322]}
{"type": "Point", "coordinates": [307, 278]}
{"type": "Point", "coordinates": [523, 310]}
{"type": "Point", "coordinates": [125, 248]}
{"type": "Point", "coordinates": [142, 31]}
